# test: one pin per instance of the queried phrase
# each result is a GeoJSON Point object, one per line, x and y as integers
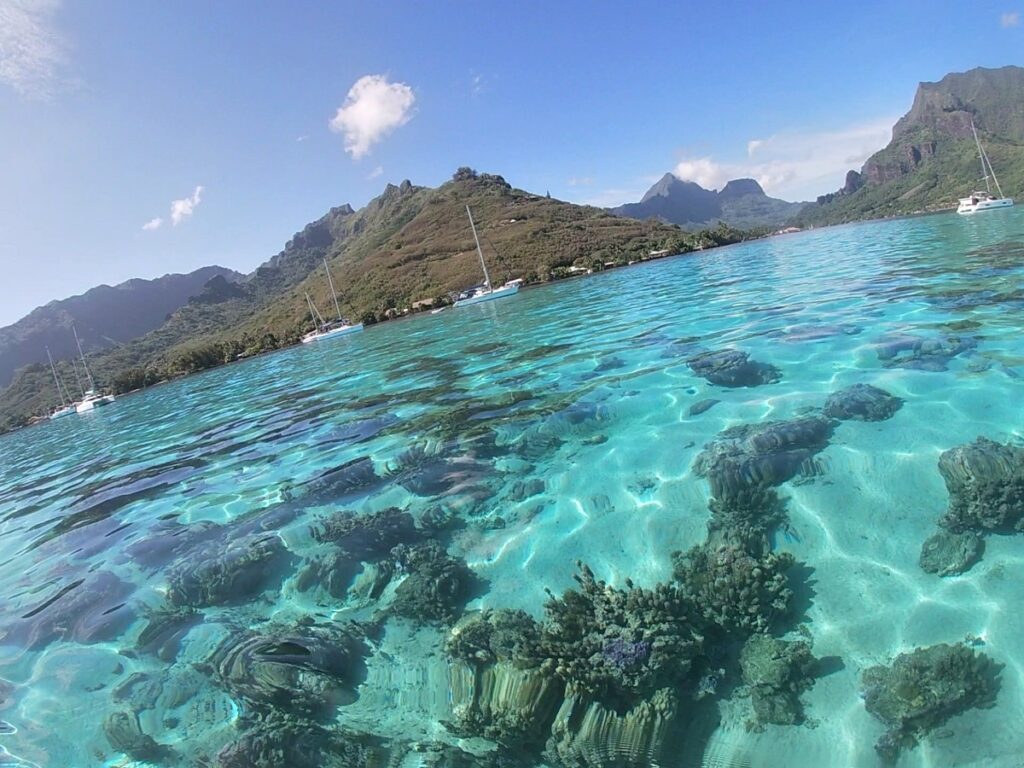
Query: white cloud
{"type": "Point", "coordinates": [797, 165]}
{"type": "Point", "coordinates": [477, 85]}
{"type": "Point", "coordinates": [373, 108]}
{"type": "Point", "coordinates": [378, 171]}
{"type": "Point", "coordinates": [182, 209]}
{"type": "Point", "coordinates": [32, 52]}
{"type": "Point", "coordinates": [153, 224]}
{"type": "Point", "coordinates": [302, 138]}
{"type": "Point", "coordinates": [580, 181]}
{"type": "Point", "coordinates": [1011, 19]}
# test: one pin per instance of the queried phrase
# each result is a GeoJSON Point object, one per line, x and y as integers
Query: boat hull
{"type": "Point", "coordinates": [497, 293]}
{"type": "Point", "coordinates": [62, 412]}
{"type": "Point", "coordinates": [984, 205]}
{"type": "Point", "coordinates": [318, 336]}
{"type": "Point", "coordinates": [92, 403]}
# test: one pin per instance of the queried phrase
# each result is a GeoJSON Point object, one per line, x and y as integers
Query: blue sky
{"type": "Point", "coordinates": [227, 126]}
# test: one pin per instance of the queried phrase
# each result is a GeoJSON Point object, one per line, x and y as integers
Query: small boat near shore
{"type": "Point", "coordinates": [984, 201]}
{"type": "Point", "coordinates": [484, 292]}
{"type": "Point", "coordinates": [67, 405]}
{"type": "Point", "coordinates": [91, 399]}
{"type": "Point", "coordinates": [328, 329]}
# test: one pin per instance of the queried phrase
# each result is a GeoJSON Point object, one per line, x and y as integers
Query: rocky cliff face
{"type": "Point", "coordinates": [931, 159]}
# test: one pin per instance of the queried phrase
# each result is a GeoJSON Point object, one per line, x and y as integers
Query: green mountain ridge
{"type": "Point", "coordinates": [104, 317]}
{"type": "Point", "coordinates": [932, 160]}
{"type": "Point", "coordinates": [409, 244]}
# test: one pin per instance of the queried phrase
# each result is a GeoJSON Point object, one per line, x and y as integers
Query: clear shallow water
{"type": "Point", "coordinates": [550, 427]}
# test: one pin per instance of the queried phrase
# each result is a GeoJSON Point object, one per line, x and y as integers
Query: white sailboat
{"type": "Point", "coordinates": [325, 329]}
{"type": "Point", "coordinates": [67, 406]}
{"type": "Point", "coordinates": [984, 201]}
{"type": "Point", "coordinates": [484, 292]}
{"type": "Point", "coordinates": [91, 399]}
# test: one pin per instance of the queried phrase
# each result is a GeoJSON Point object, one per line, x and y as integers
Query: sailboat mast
{"type": "Point", "coordinates": [479, 251]}
{"type": "Point", "coordinates": [992, 171]}
{"type": "Point", "coordinates": [78, 379]}
{"type": "Point", "coordinates": [88, 376]}
{"type": "Point", "coordinates": [56, 381]}
{"type": "Point", "coordinates": [981, 156]}
{"type": "Point", "coordinates": [318, 319]}
{"type": "Point", "coordinates": [333, 292]}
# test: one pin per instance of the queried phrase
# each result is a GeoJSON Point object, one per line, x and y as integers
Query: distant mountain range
{"type": "Point", "coordinates": [931, 160]}
{"type": "Point", "coordinates": [741, 203]}
{"type": "Point", "coordinates": [104, 317]}
{"type": "Point", "coordinates": [409, 244]}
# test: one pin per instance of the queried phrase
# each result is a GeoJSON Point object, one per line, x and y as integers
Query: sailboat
{"type": "Point", "coordinates": [66, 407]}
{"type": "Point", "coordinates": [484, 292]}
{"type": "Point", "coordinates": [984, 201]}
{"type": "Point", "coordinates": [325, 329]}
{"type": "Point", "coordinates": [90, 398]}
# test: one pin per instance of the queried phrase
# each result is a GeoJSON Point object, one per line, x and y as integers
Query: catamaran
{"type": "Point", "coordinates": [325, 329]}
{"type": "Point", "coordinates": [90, 398]}
{"type": "Point", "coordinates": [484, 292]}
{"type": "Point", "coordinates": [67, 406]}
{"type": "Point", "coordinates": [984, 201]}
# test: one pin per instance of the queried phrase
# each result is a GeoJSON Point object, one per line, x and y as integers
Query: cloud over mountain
{"type": "Point", "coordinates": [373, 108]}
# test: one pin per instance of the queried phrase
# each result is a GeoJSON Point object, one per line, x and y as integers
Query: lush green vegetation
{"type": "Point", "coordinates": [408, 245]}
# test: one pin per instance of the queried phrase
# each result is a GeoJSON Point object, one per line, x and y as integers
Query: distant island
{"type": "Point", "coordinates": [741, 203]}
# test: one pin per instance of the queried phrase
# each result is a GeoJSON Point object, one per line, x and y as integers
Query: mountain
{"type": "Point", "coordinates": [741, 203]}
{"type": "Point", "coordinates": [932, 160]}
{"type": "Point", "coordinates": [411, 243]}
{"type": "Point", "coordinates": [104, 317]}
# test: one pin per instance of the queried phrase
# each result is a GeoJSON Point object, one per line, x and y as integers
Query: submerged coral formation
{"type": "Point", "coordinates": [620, 644]}
{"type": "Point", "coordinates": [276, 739]}
{"type": "Point", "coordinates": [985, 480]}
{"type": "Point", "coordinates": [945, 553]}
{"type": "Point", "coordinates": [921, 690]}
{"type": "Point", "coordinates": [436, 586]}
{"type": "Point", "coordinates": [220, 573]}
{"type": "Point", "coordinates": [489, 636]}
{"type": "Point", "coordinates": [777, 671]}
{"type": "Point", "coordinates": [589, 734]}
{"type": "Point", "coordinates": [734, 590]}
{"type": "Point", "coordinates": [733, 368]}
{"type": "Point", "coordinates": [366, 537]}
{"type": "Point", "coordinates": [306, 669]}
{"type": "Point", "coordinates": [510, 706]}
{"type": "Point", "coordinates": [764, 454]}
{"type": "Point", "coordinates": [923, 354]}
{"type": "Point", "coordinates": [862, 402]}
{"type": "Point", "coordinates": [124, 733]}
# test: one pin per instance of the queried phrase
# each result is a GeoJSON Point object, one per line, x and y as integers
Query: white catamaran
{"type": "Point", "coordinates": [67, 405]}
{"type": "Point", "coordinates": [325, 329]}
{"type": "Point", "coordinates": [90, 398]}
{"type": "Point", "coordinates": [484, 292]}
{"type": "Point", "coordinates": [984, 201]}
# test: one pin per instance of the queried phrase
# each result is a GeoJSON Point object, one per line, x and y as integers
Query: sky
{"type": "Point", "coordinates": [142, 138]}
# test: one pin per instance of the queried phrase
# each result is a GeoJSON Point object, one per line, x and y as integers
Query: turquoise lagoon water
{"type": "Point", "coordinates": [559, 429]}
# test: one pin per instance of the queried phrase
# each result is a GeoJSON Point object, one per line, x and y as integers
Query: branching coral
{"type": "Point", "coordinates": [732, 589]}
{"type": "Point", "coordinates": [437, 585]}
{"type": "Point", "coordinates": [619, 643]}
